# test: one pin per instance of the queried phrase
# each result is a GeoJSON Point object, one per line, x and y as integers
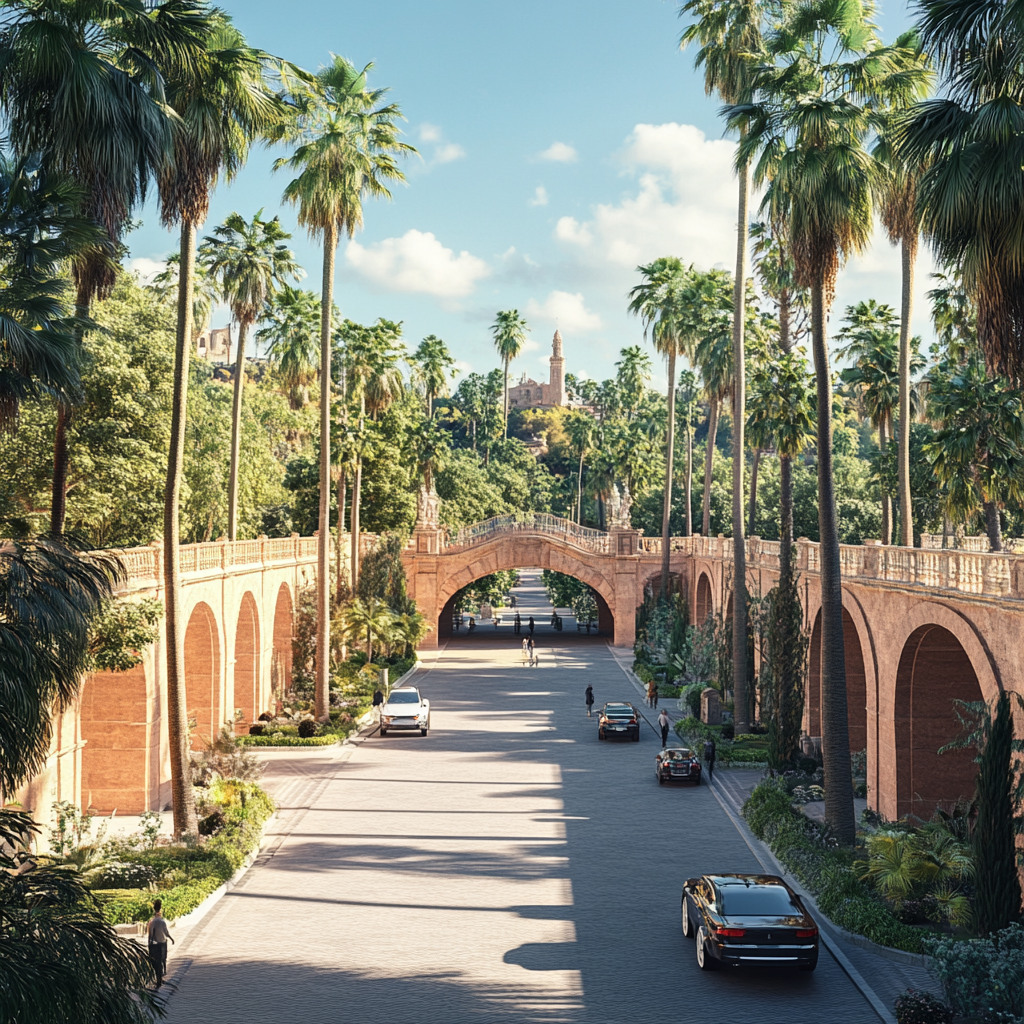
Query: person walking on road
{"type": "Point", "coordinates": [158, 933]}
{"type": "Point", "coordinates": [663, 724]}
{"type": "Point", "coordinates": [709, 757]}
{"type": "Point", "coordinates": [652, 695]}
{"type": "Point", "coordinates": [531, 625]}
{"type": "Point", "coordinates": [589, 698]}
{"type": "Point", "coordinates": [531, 651]}
{"type": "Point", "coordinates": [519, 623]}
{"type": "Point", "coordinates": [526, 650]}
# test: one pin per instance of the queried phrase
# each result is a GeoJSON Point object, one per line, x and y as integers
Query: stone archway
{"type": "Point", "coordinates": [705, 604]}
{"type": "Point", "coordinates": [246, 674]}
{"type": "Point", "coordinates": [934, 670]}
{"type": "Point", "coordinates": [203, 674]}
{"type": "Point", "coordinates": [118, 734]}
{"type": "Point", "coordinates": [281, 665]}
{"type": "Point", "coordinates": [856, 683]}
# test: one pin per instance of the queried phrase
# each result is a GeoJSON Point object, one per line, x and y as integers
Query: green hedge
{"type": "Point", "coordinates": [205, 865]}
{"type": "Point", "coordinates": [289, 741]}
{"type": "Point", "coordinates": [827, 873]}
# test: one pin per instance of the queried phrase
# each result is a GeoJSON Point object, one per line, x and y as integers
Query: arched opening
{"type": "Point", "coordinates": [119, 731]}
{"type": "Point", "coordinates": [202, 674]}
{"type": "Point", "coordinates": [281, 666]}
{"type": "Point", "coordinates": [247, 663]}
{"type": "Point", "coordinates": [705, 604]}
{"type": "Point", "coordinates": [856, 684]}
{"type": "Point", "coordinates": [934, 670]}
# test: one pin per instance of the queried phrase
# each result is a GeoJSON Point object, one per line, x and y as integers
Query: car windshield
{"type": "Point", "coordinates": [619, 710]}
{"type": "Point", "coordinates": [404, 697]}
{"type": "Point", "coordinates": [757, 901]}
{"type": "Point", "coordinates": [679, 755]}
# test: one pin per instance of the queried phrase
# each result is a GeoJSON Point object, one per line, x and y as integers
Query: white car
{"type": "Point", "coordinates": [405, 709]}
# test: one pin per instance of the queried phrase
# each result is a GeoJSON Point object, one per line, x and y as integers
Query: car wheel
{"type": "Point", "coordinates": [687, 924]}
{"type": "Point", "coordinates": [705, 960]}
{"type": "Point", "coordinates": [423, 732]}
{"type": "Point", "coordinates": [811, 965]}
{"type": "Point", "coordinates": [697, 782]}
{"type": "Point", "coordinates": [383, 731]}
{"type": "Point", "coordinates": [636, 736]}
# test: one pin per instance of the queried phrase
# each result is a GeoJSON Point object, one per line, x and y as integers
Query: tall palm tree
{"type": "Point", "coordinates": [509, 330]}
{"type": "Point", "coordinates": [968, 139]}
{"type": "Point", "coordinates": [731, 42]}
{"type": "Point", "coordinates": [657, 300]}
{"type": "Point", "coordinates": [250, 261]}
{"type": "Point", "coordinates": [432, 364]}
{"type": "Point", "coordinates": [808, 129]}
{"type": "Point", "coordinates": [291, 333]}
{"type": "Point", "coordinates": [686, 393]}
{"type": "Point", "coordinates": [632, 373]}
{"type": "Point", "coordinates": [348, 148]}
{"type": "Point", "coordinates": [81, 84]}
{"type": "Point", "coordinates": [222, 102]}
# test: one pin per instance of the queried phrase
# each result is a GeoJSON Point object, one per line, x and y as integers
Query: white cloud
{"type": "Point", "coordinates": [559, 153]}
{"type": "Point", "coordinates": [529, 345]}
{"type": "Point", "coordinates": [540, 197]}
{"type": "Point", "coordinates": [145, 268]}
{"type": "Point", "coordinates": [417, 262]}
{"type": "Point", "coordinates": [429, 132]}
{"type": "Point", "coordinates": [685, 203]}
{"type": "Point", "coordinates": [448, 152]}
{"type": "Point", "coordinates": [565, 310]}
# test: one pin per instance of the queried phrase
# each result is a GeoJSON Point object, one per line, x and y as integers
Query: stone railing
{"type": "Point", "coordinates": [566, 530]}
{"type": "Point", "coordinates": [978, 543]}
{"type": "Point", "coordinates": [145, 565]}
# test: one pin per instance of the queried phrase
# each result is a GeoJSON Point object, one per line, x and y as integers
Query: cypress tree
{"type": "Point", "coordinates": [998, 895]}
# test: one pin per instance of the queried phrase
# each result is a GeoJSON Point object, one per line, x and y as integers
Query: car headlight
{"type": "Point", "coordinates": [388, 718]}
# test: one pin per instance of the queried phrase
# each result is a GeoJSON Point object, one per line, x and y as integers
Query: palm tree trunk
{"type": "Point", "coordinates": [670, 443]}
{"type": "Point", "coordinates": [709, 465]}
{"type": "Point", "coordinates": [908, 253]}
{"type": "Point", "coordinates": [883, 443]}
{"type": "Point", "coordinates": [341, 533]}
{"type": "Point", "coordinates": [786, 515]}
{"type": "Point", "coordinates": [182, 798]}
{"type": "Point", "coordinates": [834, 715]}
{"type": "Point", "coordinates": [579, 489]}
{"type": "Point", "coordinates": [236, 433]}
{"type": "Point", "coordinates": [323, 551]}
{"type": "Point", "coordinates": [992, 526]}
{"type": "Point", "coordinates": [688, 483]}
{"type": "Point", "coordinates": [506, 397]}
{"type": "Point", "coordinates": [353, 523]}
{"type": "Point", "coordinates": [739, 420]}
{"type": "Point", "coordinates": [752, 520]}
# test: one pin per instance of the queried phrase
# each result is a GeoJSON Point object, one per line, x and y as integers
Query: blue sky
{"type": "Point", "coordinates": [562, 144]}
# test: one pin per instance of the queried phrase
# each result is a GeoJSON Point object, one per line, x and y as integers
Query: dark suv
{"type": "Point", "coordinates": [619, 719]}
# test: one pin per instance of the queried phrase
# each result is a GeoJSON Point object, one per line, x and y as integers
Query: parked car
{"type": "Point", "coordinates": [752, 920]}
{"type": "Point", "coordinates": [618, 719]}
{"type": "Point", "coordinates": [405, 709]}
{"type": "Point", "coordinates": [677, 764]}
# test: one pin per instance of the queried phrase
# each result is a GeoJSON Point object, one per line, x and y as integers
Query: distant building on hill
{"type": "Point", "coordinates": [214, 344]}
{"type": "Point", "coordinates": [529, 394]}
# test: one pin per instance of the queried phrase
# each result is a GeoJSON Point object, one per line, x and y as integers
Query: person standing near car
{"type": "Point", "coordinates": [589, 698]}
{"type": "Point", "coordinates": [709, 757]}
{"type": "Point", "coordinates": [158, 933]}
{"type": "Point", "coordinates": [663, 724]}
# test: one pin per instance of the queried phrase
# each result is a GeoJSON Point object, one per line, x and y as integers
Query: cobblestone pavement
{"type": "Point", "coordinates": [507, 867]}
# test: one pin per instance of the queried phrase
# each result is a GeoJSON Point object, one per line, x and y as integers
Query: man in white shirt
{"type": "Point", "coordinates": [158, 933]}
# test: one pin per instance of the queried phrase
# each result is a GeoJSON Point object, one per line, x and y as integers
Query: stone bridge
{"type": "Point", "coordinates": [922, 626]}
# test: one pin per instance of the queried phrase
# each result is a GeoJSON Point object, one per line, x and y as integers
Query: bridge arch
{"type": "Point", "coordinates": [246, 696]}
{"type": "Point", "coordinates": [281, 650]}
{"type": "Point", "coordinates": [704, 604]}
{"type": "Point", "coordinates": [203, 674]}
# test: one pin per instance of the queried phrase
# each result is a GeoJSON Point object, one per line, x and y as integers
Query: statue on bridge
{"type": "Point", "coordinates": [620, 505]}
{"type": "Point", "coordinates": [428, 507]}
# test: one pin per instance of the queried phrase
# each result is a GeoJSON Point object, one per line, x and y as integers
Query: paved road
{"type": "Point", "coordinates": [508, 867]}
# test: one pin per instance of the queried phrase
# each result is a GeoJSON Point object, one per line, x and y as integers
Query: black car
{"type": "Point", "coordinates": [677, 764]}
{"type": "Point", "coordinates": [751, 920]}
{"type": "Point", "coordinates": [618, 719]}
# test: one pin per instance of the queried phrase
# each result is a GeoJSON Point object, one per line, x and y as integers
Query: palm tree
{"type": "Point", "coordinates": [250, 260]}
{"type": "Point", "coordinates": [509, 330]}
{"type": "Point", "coordinates": [969, 142]}
{"type": "Point", "coordinates": [432, 363]}
{"type": "Point", "coordinates": [731, 42]}
{"type": "Point", "coordinates": [371, 619]}
{"type": "Point", "coordinates": [348, 148]}
{"type": "Point", "coordinates": [291, 333]}
{"type": "Point", "coordinates": [686, 397]}
{"type": "Point", "coordinates": [579, 426]}
{"type": "Point", "coordinates": [632, 372]}
{"type": "Point", "coordinates": [223, 102]}
{"type": "Point", "coordinates": [808, 130]}
{"type": "Point", "coordinates": [82, 86]}
{"type": "Point", "coordinates": [205, 292]}
{"type": "Point", "coordinates": [657, 301]}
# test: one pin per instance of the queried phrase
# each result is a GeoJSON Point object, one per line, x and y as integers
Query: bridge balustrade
{"type": "Point", "coordinates": [579, 536]}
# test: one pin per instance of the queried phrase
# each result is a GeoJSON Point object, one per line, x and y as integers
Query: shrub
{"type": "Point", "coordinates": [257, 730]}
{"type": "Point", "coordinates": [307, 728]}
{"type": "Point", "coordinates": [211, 824]}
{"type": "Point", "coordinates": [280, 740]}
{"type": "Point", "coordinates": [913, 1007]}
{"type": "Point", "coordinates": [125, 876]}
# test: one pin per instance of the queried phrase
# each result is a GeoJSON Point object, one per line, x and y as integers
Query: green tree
{"type": "Point", "coordinates": [431, 365]}
{"type": "Point", "coordinates": [509, 330]}
{"type": "Point", "coordinates": [348, 145]}
{"type": "Point", "coordinates": [580, 428]}
{"type": "Point", "coordinates": [291, 333]}
{"type": "Point", "coordinates": [632, 373]}
{"type": "Point", "coordinates": [250, 261]}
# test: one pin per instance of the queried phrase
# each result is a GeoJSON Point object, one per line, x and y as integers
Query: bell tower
{"type": "Point", "coordinates": [556, 385]}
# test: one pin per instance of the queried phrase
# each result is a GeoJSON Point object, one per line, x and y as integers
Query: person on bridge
{"type": "Point", "coordinates": [531, 625]}
{"type": "Point", "coordinates": [158, 933]}
{"type": "Point", "coordinates": [519, 621]}
{"type": "Point", "coordinates": [663, 724]}
{"type": "Point", "coordinates": [589, 698]}
{"type": "Point", "coordinates": [709, 757]}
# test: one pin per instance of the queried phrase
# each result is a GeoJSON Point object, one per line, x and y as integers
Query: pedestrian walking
{"type": "Point", "coordinates": [663, 724]}
{"type": "Point", "coordinates": [531, 625]}
{"type": "Point", "coordinates": [158, 933]}
{"type": "Point", "coordinates": [709, 757]}
{"type": "Point", "coordinates": [526, 650]}
{"type": "Point", "coordinates": [650, 694]}
{"type": "Point", "coordinates": [589, 698]}
{"type": "Point", "coordinates": [378, 703]}
{"type": "Point", "coordinates": [472, 624]}
{"type": "Point", "coordinates": [519, 622]}
{"type": "Point", "coordinates": [531, 651]}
